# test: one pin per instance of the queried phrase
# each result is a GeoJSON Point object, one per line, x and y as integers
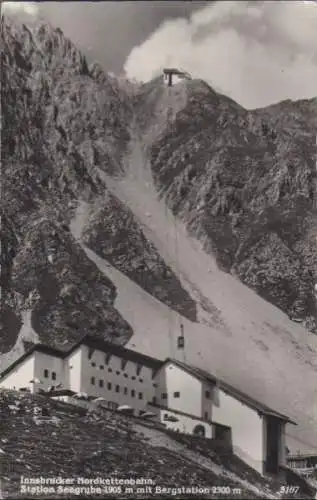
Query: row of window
{"type": "Point", "coordinates": [46, 374]}
{"type": "Point", "coordinates": [107, 358]}
{"type": "Point", "coordinates": [93, 364]}
{"type": "Point", "coordinates": [117, 388]}
{"type": "Point", "coordinates": [175, 395]}
{"type": "Point", "coordinates": [166, 416]}
{"type": "Point", "coordinates": [298, 465]}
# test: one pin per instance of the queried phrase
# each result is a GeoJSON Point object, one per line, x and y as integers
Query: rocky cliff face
{"type": "Point", "coordinates": [243, 182]}
{"type": "Point", "coordinates": [63, 125]}
{"type": "Point", "coordinates": [133, 254]}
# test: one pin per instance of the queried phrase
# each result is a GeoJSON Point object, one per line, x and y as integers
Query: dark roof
{"type": "Point", "coordinates": [117, 350]}
{"type": "Point", "coordinates": [252, 403]}
{"type": "Point", "coordinates": [174, 71]}
{"type": "Point", "coordinates": [232, 391]}
{"type": "Point", "coordinates": [93, 343]}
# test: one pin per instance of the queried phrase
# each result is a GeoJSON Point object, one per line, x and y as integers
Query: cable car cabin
{"type": "Point", "coordinates": [173, 75]}
{"type": "Point", "coordinates": [180, 342]}
{"type": "Point", "coordinates": [181, 339]}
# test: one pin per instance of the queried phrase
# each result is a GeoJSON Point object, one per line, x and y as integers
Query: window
{"type": "Point", "coordinates": [101, 367]}
{"type": "Point", "coordinates": [206, 415]}
{"type": "Point", "coordinates": [207, 394]}
{"type": "Point", "coordinates": [176, 394]}
{"type": "Point", "coordinates": [125, 375]}
{"type": "Point", "coordinates": [141, 380]}
{"type": "Point", "coordinates": [165, 416]}
{"type": "Point", "coordinates": [133, 393]}
{"type": "Point", "coordinates": [100, 383]}
{"type": "Point", "coordinates": [46, 373]}
{"type": "Point", "coordinates": [154, 385]}
{"type": "Point", "coordinates": [133, 378]}
{"type": "Point", "coordinates": [125, 391]}
{"type": "Point", "coordinates": [93, 364]}
{"type": "Point", "coordinates": [109, 385]}
{"type": "Point", "coordinates": [92, 380]}
{"type": "Point", "coordinates": [117, 373]}
{"type": "Point", "coordinates": [117, 388]}
{"type": "Point", "coordinates": [109, 370]}
{"type": "Point", "coordinates": [140, 395]}
{"type": "Point", "coordinates": [53, 376]}
{"type": "Point", "coordinates": [154, 400]}
{"type": "Point", "coordinates": [164, 395]}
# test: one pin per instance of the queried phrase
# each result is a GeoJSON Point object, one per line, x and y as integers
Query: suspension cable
{"type": "Point", "coordinates": [169, 312]}
{"type": "Point", "coordinates": [176, 242]}
{"type": "Point", "coordinates": [301, 441]}
{"type": "Point", "coordinates": [177, 262]}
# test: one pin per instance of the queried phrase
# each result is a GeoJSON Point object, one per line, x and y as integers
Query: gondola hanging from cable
{"type": "Point", "coordinates": [181, 338]}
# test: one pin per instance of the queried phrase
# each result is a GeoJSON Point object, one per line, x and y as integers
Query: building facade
{"type": "Point", "coordinates": [39, 368]}
{"type": "Point", "coordinates": [303, 464]}
{"type": "Point", "coordinates": [258, 433]}
{"type": "Point", "coordinates": [178, 388]}
{"type": "Point", "coordinates": [182, 422]}
{"type": "Point", "coordinates": [98, 368]}
{"type": "Point", "coordinates": [182, 397]}
{"type": "Point", "coordinates": [119, 376]}
{"type": "Point", "coordinates": [20, 374]}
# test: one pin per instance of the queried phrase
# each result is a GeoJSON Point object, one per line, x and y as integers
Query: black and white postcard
{"type": "Point", "coordinates": [158, 250]}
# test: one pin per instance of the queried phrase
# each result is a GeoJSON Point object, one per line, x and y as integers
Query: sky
{"type": "Point", "coordinates": [258, 53]}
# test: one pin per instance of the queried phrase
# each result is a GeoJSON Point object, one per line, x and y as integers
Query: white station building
{"type": "Point", "coordinates": [183, 398]}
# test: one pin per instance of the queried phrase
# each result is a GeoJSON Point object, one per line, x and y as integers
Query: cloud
{"type": "Point", "coordinates": [256, 52]}
{"type": "Point", "coordinates": [106, 31]}
{"type": "Point", "coordinates": [29, 8]}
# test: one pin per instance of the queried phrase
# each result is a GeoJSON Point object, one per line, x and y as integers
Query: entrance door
{"type": "Point", "coordinates": [273, 438]}
{"type": "Point", "coordinates": [223, 434]}
{"type": "Point", "coordinates": [199, 430]}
